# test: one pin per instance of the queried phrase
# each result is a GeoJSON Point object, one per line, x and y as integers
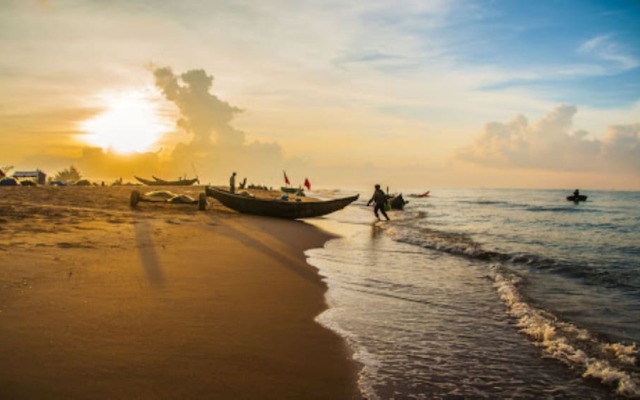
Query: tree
{"type": "Point", "coordinates": [4, 170]}
{"type": "Point", "coordinates": [68, 175]}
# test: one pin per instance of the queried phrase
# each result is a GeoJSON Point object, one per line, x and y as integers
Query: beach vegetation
{"type": "Point", "coordinates": [70, 174]}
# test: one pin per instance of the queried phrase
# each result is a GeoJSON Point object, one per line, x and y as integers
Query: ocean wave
{"type": "Point", "coordinates": [564, 209]}
{"type": "Point", "coordinates": [461, 244]}
{"type": "Point", "coordinates": [486, 202]}
{"type": "Point", "coordinates": [613, 364]}
{"type": "Point", "coordinates": [569, 207]}
{"type": "Point", "coordinates": [369, 363]}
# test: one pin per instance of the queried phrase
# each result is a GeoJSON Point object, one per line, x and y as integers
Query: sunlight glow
{"type": "Point", "coordinates": [130, 123]}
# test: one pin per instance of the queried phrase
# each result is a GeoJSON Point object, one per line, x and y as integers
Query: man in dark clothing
{"type": "Point", "coordinates": [380, 199]}
{"type": "Point", "coordinates": [232, 183]}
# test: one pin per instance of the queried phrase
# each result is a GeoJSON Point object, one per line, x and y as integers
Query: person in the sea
{"type": "Point", "coordinates": [380, 199]}
{"type": "Point", "coordinates": [576, 193]}
{"type": "Point", "coordinates": [232, 183]}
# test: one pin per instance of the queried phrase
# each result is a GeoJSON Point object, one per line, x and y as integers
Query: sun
{"type": "Point", "coordinates": [129, 124]}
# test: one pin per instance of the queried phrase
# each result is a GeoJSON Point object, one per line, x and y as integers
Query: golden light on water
{"type": "Point", "coordinates": [129, 124]}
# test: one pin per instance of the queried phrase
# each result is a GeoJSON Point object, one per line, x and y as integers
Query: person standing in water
{"type": "Point", "coordinates": [380, 199]}
{"type": "Point", "coordinates": [232, 183]}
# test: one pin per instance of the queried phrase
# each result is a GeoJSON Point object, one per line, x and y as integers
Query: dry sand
{"type": "Point", "coordinates": [98, 301]}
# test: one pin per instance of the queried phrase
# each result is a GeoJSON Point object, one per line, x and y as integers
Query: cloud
{"type": "Point", "coordinates": [44, 4]}
{"type": "Point", "coordinates": [550, 144]}
{"type": "Point", "coordinates": [622, 144]}
{"type": "Point", "coordinates": [604, 47]}
{"type": "Point", "coordinates": [214, 145]}
{"type": "Point", "coordinates": [202, 113]}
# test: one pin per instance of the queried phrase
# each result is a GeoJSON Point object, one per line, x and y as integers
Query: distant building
{"type": "Point", "coordinates": [37, 176]}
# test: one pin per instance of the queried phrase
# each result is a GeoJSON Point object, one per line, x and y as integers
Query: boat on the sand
{"type": "Point", "coordinates": [162, 182]}
{"type": "Point", "coordinates": [292, 190]}
{"type": "Point", "coordinates": [278, 208]}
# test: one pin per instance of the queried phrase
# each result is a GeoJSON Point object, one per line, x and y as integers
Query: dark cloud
{"type": "Point", "coordinates": [215, 146]}
{"type": "Point", "coordinates": [203, 113]}
{"type": "Point", "coordinates": [551, 144]}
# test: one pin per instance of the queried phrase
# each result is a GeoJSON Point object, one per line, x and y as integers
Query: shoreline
{"type": "Point", "coordinates": [101, 301]}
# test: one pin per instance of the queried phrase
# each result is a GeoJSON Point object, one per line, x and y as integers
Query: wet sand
{"type": "Point", "coordinates": [101, 301]}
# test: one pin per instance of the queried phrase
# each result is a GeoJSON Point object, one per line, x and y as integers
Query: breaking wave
{"type": "Point", "coordinates": [613, 364]}
{"type": "Point", "coordinates": [461, 244]}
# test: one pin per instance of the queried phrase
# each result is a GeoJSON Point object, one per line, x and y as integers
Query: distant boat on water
{"type": "Point", "coordinates": [577, 198]}
{"type": "Point", "coordinates": [425, 194]}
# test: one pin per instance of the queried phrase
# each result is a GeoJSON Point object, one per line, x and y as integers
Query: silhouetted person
{"type": "Point", "coordinates": [576, 193]}
{"type": "Point", "coordinates": [232, 183]}
{"type": "Point", "coordinates": [380, 200]}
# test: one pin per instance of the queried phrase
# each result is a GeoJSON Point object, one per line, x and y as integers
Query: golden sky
{"type": "Point", "coordinates": [414, 95]}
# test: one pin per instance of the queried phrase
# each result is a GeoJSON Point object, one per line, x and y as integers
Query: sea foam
{"type": "Point", "coordinates": [566, 342]}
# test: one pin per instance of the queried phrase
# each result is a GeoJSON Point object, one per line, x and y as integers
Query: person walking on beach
{"type": "Point", "coordinates": [232, 183]}
{"type": "Point", "coordinates": [380, 199]}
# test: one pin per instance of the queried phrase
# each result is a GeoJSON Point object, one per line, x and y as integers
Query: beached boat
{"type": "Point", "coordinates": [278, 208]}
{"type": "Point", "coordinates": [162, 182]}
{"type": "Point", "coordinates": [145, 181]}
{"type": "Point", "coordinates": [292, 190]}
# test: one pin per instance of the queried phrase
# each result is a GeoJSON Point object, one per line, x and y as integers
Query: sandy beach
{"type": "Point", "coordinates": [101, 301]}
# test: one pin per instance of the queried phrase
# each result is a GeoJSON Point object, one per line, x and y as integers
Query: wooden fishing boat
{"type": "Point", "coordinates": [162, 182]}
{"type": "Point", "coordinates": [397, 202]}
{"type": "Point", "coordinates": [145, 181]}
{"type": "Point", "coordinates": [416, 195]}
{"type": "Point", "coordinates": [278, 208]}
{"type": "Point", "coordinates": [292, 190]}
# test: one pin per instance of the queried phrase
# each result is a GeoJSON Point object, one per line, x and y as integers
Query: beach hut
{"type": "Point", "coordinates": [36, 176]}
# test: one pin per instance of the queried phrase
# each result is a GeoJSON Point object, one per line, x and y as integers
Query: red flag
{"type": "Point", "coordinates": [307, 184]}
{"type": "Point", "coordinates": [286, 180]}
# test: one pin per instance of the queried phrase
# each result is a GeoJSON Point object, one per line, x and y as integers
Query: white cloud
{"type": "Point", "coordinates": [605, 48]}
{"type": "Point", "coordinates": [552, 145]}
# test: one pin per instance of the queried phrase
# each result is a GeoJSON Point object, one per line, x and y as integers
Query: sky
{"type": "Point", "coordinates": [407, 94]}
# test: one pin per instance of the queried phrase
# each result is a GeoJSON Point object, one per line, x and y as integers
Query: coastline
{"type": "Point", "coordinates": [101, 301]}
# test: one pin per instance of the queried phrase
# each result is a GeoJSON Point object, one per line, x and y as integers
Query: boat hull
{"type": "Point", "coordinates": [292, 190]}
{"type": "Point", "coordinates": [278, 208]}
{"type": "Point", "coordinates": [162, 182]}
{"type": "Point", "coordinates": [397, 202]}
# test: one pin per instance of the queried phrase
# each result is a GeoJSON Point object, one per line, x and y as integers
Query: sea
{"type": "Point", "coordinates": [488, 293]}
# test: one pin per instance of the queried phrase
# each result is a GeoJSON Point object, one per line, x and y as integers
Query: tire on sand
{"type": "Point", "coordinates": [134, 199]}
{"type": "Point", "coordinates": [202, 201]}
